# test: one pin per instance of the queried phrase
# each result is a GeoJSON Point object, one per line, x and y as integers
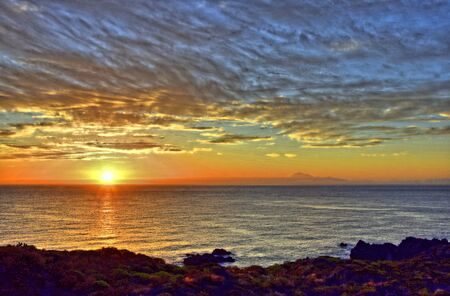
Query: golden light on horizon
{"type": "Point", "coordinates": [108, 177]}
{"type": "Point", "coordinates": [108, 174]}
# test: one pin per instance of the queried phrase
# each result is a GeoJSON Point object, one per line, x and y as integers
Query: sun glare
{"type": "Point", "coordinates": [107, 177]}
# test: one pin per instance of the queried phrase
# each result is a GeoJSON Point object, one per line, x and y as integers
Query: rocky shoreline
{"type": "Point", "coordinates": [414, 267]}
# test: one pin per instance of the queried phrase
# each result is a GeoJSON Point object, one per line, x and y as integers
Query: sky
{"type": "Point", "coordinates": [358, 90]}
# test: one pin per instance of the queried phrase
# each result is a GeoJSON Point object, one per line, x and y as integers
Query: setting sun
{"type": "Point", "coordinates": [107, 177]}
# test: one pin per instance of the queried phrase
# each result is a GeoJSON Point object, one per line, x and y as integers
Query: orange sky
{"type": "Point", "coordinates": [215, 91]}
{"type": "Point", "coordinates": [351, 164]}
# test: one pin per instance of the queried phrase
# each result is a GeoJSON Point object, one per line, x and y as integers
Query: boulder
{"type": "Point", "coordinates": [343, 245]}
{"type": "Point", "coordinates": [411, 246]}
{"type": "Point", "coordinates": [408, 248]}
{"type": "Point", "coordinates": [216, 257]}
{"type": "Point", "coordinates": [366, 251]}
{"type": "Point", "coordinates": [221, 252]}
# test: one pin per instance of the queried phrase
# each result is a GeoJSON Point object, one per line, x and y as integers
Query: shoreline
{"type": "Point", "coordinates": [414, 267]}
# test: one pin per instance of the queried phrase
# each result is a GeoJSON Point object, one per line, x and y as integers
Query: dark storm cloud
{"type": "Point", "coordinates": [318, 71]}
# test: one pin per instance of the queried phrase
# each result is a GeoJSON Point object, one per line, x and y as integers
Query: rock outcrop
{"type": "Point", "coordinates": [217, 256]}
{"type": "Point", "coordinates": [408, 248]}
{"type": "Point", "coordinates": [25, 270]}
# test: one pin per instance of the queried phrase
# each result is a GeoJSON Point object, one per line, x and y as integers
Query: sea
{"type": "Point", "coordinates": [261, 225]}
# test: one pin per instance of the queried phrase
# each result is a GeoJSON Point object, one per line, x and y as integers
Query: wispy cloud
{"type": "Point", "coordinates": [236, 139]}
{"type": "Point", "coordinates": [394, 154]}
{"type": "Point", "coordinates": [276, 155]}
{"type": "Point", "coordinates": [326, 75]}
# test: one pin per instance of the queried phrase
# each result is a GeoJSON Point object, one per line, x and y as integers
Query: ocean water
{"type": "Point", "coordinates": [261, 225]}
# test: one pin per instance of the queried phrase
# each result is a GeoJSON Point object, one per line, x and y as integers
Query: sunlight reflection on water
{"type": "Point", "coordinates": [262, 225]}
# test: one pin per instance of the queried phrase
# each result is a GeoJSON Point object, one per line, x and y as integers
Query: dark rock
{"type": "Point", "coordinates": [366, 251]}
{"type": "Point", "coordinates": [343, 245]}
{"type": "Point", "coordinates": [25, 270]}
{"type": "Point", "coordinates": [408, 248]}
{"type": "Point", "coordinates": [221, 252]}
{"type": "Point", "coordinates": [216, 257]}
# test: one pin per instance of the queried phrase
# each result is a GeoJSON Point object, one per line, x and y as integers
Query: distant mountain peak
{"type": "Point", "coordinates": [300, 176]}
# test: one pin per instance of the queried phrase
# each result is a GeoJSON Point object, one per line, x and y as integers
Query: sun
{"type": "Point", "coordinates": [107, 177]}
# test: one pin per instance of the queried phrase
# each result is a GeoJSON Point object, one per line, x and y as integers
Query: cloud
{"type": "Point", "coordinates": [164, 120]}
{"type": "Point", "coordinates": [345, 45]}
{"type": "Point", "coordinates": [345, 144]}
{"type": "Point", "coordinates": [394, 154]}
{"type": "Point", "coordinates": [235, 139]}
{"type": "Point", "coordinates": [343, 123]}
{"type": "Point", "coordinates": [328, 75]}
{"type": "Point", "coordinates": [39, 152]}
{"type": "Point", "coordinates": [7, 133]}
{"type": "Point", "coordinates": [276, 155]}
{"type": "Point", "coordinates": [200, 149]}
{"type": "Point", "coordinates": [91, 151]}
{"type": "Point", "coordinates": [128, 145]}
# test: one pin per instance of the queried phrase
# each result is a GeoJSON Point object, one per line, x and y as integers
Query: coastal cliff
{"type": "Point", "coordinates": [416, 267]}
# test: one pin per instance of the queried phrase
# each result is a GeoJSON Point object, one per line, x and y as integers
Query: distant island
{"type": "Point", "coordinates": [414, 267]}
{"type": "Point", "coordinates": [306, 178]}
{"type": "Point", "coordinates": [298, 178]}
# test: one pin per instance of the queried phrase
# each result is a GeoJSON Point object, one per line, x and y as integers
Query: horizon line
{"type": "Point", "coordinates": [247, 181]}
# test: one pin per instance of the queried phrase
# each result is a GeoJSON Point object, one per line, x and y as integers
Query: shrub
{"type": "Point", "coordinates": [101, 284]}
